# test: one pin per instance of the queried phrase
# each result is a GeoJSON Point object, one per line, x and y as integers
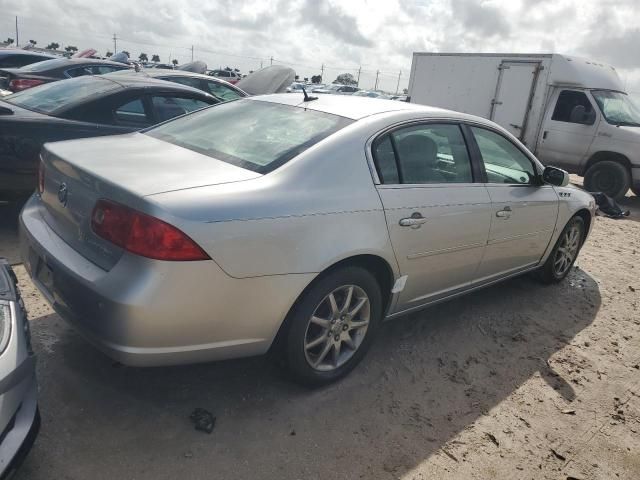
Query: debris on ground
{"type": "Point", "coordinates": [493, 438]}
{"type": "Point", "coordinates": [569, 411]}
{"type": "Point", "coordinates": [558, 455]}
{"type": "Point", "coordinates": [203, 420]}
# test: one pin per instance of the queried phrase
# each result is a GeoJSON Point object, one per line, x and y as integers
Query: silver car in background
{"type": "Point", "coordinates": [19, 416]}
{"type": "Point", "coordinates": [288, 223]}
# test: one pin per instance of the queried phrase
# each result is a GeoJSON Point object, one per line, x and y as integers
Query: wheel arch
{"type": "Point", "coordinates": [586, 218]}
{"type": "Point", "coordinates": [375, 264]}
{"type": "Point", "coordinates": [607, 155]}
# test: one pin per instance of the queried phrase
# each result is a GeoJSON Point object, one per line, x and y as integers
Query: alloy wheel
{"type": "Point", "coordinates": [337, 328]}
{"type": "Point", "coordinates": [567, 250]}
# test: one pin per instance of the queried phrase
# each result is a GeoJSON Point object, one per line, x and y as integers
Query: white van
{"type": "Point", "coordinates": [571, 112]}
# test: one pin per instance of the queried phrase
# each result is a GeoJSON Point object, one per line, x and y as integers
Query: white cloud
{"type": "Point", "coordinates": [379, 35]}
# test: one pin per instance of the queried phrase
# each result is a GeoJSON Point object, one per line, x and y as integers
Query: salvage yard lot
{"type": "Point", "coordinates": [519, 380]}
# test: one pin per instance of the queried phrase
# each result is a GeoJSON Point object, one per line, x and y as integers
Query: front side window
{"type": "Point", "coordinates": [252, 134]}
{"type": "Point", "coordinates": [617, 108]}
{"type": "Point", "coordinates": [430, 153]}
{"type": "Point", "coordinates": [573, 107]}
{"type": "Point", "coordinates": [503, 161]}
{"type": "Point", "coordinates": [167, 107]}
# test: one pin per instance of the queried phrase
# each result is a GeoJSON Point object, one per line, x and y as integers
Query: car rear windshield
{"type": "Point", "coordinates": [45, 65]}
{"type": "Point", "coordinates": [50, 97]}
{"type": "Point", "coordinates": [256, 135]}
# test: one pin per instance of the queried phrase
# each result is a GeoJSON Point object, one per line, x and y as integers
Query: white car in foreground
{"type": "Point", "coordinates": [288, 222]}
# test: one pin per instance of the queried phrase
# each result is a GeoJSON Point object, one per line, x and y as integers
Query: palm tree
{"type": "Point", "coordinates": [155, 58]}
{"type": "Point", "coordinates": [108, 54]}
{"type": "Point", "coordinates": [9, 41]}
{"type": "Point", "coordinates": [175, 62]}
{"type": "Point", "coordinates": [143, 57]}
{"type": "Point", "coordinates": [32, 42]}
{"type": "Point", "coordinates": [53, 46]}
{"type": "Point", "coordinates": [71, 48]}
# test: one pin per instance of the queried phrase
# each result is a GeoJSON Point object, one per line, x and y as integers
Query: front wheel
{"type": "Point", "coordinates": [333, 325]}
{"type": "Point", "coordinates": [611, 178]}
{"type": "Point", "coordinates": [565, 252]}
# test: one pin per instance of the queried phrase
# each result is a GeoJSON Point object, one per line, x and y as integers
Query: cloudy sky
{"type": "Point", "coordinates": [341, 35]}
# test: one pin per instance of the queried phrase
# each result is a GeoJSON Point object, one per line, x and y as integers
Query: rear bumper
{"type": "Point", "coordinates": [146, 312]}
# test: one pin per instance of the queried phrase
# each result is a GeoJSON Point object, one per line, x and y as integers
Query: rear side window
{"type": "Point", "coordinates": [222, 91]}
{"type": "Point", "coordinates": [17, 61]}
{"type": "Point", "coordinates": [188, 81]}
{"type": "Point", "coordinates": [132, 114]}
{"type": "Point", "coordinates": [572, 107]}
{"type": "Point", "coordinates": [430, 153]}
{"type": "Point", "coordinates": [168, 107]}
{"type": "Point", "coordinates": [252, 134]}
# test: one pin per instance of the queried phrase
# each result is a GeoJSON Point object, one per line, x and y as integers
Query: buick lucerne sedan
{"type": "Point", "coordinates": [288, 223]}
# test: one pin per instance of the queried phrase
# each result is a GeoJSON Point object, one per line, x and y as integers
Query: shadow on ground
{"type": "Point", "coordinates": [428, 377]}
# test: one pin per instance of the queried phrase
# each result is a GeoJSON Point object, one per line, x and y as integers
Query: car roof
{"type": "Point", "coordinates": [18, 51]}
{"type": "Point", "coordinates": [356, 108]}
{"type": "Point", "coordinates": [141, 81]}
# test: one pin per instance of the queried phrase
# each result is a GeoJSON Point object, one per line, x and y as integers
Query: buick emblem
{"type": "Point", "coordinates": [62, 194]}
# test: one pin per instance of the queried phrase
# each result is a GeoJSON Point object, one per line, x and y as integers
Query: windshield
{"type": "Point", "coordinates": [256, 135]}
{"type": "Point", "coordinates": [50, 97]}
{"type": "Point", "coordinates": [617, 108]}
{"type": "Point", "coordinates": [46, 65]}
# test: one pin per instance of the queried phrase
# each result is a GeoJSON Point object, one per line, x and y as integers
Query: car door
{"type": "Point", "coordinates": [438, 217]}
{"type": "Point", "coordinates": [524, 211]}
{"type": "Point", "coordinates": [568, 131]}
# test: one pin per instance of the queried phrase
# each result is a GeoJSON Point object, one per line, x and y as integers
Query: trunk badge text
{"type": "Point", "coordinates": [62, 194]}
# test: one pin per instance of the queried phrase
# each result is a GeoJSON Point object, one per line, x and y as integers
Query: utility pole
{"type": "Point", "coordinates": [192, 53]}
{"type": "Point", "coordinates": [321, 72]}
{"type": "Point", "coordinates": [17, 37]}
{"type": "Point", "coordinates": [358, 81]}
{"type": "Point", "coordinates": [115, 44]}
{"type": "Point", "coordinates": [271, 60]}
{"type": "Point", "coordinates": [398, 85]}
{"type": "Point", "coordinates": [260, 63]}
{"type": "Point", "coordinates": [377, 74]}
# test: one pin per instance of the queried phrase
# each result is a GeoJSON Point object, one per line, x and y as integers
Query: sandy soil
{"type": "Point", "coordinates": [519, 380]}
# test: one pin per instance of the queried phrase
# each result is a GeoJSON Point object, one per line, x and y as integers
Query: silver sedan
{"type": "Point", "coordinates": [288, 223]}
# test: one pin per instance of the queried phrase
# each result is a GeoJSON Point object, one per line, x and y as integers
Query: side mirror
{"type": "Point", "coordinates": [555, 176]}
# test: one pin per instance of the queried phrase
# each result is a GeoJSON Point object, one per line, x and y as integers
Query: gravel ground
{"type": "Point", "coordinates": [519, 380]}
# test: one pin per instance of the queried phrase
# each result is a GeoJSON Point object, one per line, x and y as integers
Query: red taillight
{"type": "Point", "coordinates": [41, 178]}
{"type": "Point", "coordinates": [143, 234]}
{"type": "Point", "coordinates": [18, 84]}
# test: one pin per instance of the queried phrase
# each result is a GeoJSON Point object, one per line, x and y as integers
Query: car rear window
{"type": "Point", "coordinates": [256, 135]}
{"type": "Point", "coordinates": [50, 97]}
{"type": "Point", "coordinates": [46, 65]}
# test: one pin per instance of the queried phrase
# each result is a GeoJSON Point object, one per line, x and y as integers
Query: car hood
{"type": "Point", "coordinates": [144, 165]}
{"type": "Point", "coordinates": [272, 79]}
{"type": "Point", "coordinates": [627, 134]}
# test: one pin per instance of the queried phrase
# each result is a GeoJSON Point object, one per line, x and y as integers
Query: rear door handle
{"type": "Point", "coordinates": [544, 135]}
{"type": "Point", "coordinates": [414, 221]}
{"type": "Point", "coordinates": [504, 213]}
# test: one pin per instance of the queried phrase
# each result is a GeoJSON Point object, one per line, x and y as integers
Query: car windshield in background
{"type": "Point", "coordinates": [45, 65]}
{"type": "Point", "coordinates": [50, 97]}
{"type": "Point", "coordinates": [617, 108]}
{"type": "Point", "coordinates": [256, 135]}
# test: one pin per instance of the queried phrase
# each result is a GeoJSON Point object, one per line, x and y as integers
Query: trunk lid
{"type": "Point", "coordinates": [122, 168]}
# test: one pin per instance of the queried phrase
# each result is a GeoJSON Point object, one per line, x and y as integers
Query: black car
{"type": "Point", "coordinates": [16, 58]}
{"type": "Point", "coordinates": [206, 83]}
{"type": "Point", "coordinates": [82, 107]}
{"type": "Point", "coordinates": [18, 79]}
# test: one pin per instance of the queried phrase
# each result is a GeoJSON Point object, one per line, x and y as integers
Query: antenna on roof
{"type": "Point", "coordinates": [307, 98]}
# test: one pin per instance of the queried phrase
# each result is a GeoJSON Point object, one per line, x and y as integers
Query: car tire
{"type": "Point", "coordinates": [558, 264]}
{"type": "Point", "coordinates": [611, 178]}
{"type": "Point", "coordinates": [320, 327]}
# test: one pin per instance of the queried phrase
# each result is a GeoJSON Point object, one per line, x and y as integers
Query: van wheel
{"type": "Point", "coordinates": [564, 253]}
{"type": "Point", "coordinates": [611, 178]}
{"type": "Point", "coordinates": [333, 325]}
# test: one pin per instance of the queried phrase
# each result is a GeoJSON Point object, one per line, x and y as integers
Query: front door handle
{"type": "Point", "coordinates": [414, 221]}
{"type": "Point", "coordinates": [504, 213]}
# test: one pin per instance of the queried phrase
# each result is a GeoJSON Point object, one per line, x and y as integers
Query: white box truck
{"type": "Point", "coordinates": [569, 111]}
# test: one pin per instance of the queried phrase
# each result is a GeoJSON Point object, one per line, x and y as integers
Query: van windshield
{"type": "Point", "coordinates": [617, 108]}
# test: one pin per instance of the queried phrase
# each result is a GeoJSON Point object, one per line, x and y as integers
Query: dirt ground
{"type": "Point", "coordinates": [518, 380]}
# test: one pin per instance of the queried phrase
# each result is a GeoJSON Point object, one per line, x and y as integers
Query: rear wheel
{"type": "Point", "coordinates": [565, 252]}
{"type": "Point", "coordinates": [611, 178]}
{"type": "Point", "coordinates": [333, 325]}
